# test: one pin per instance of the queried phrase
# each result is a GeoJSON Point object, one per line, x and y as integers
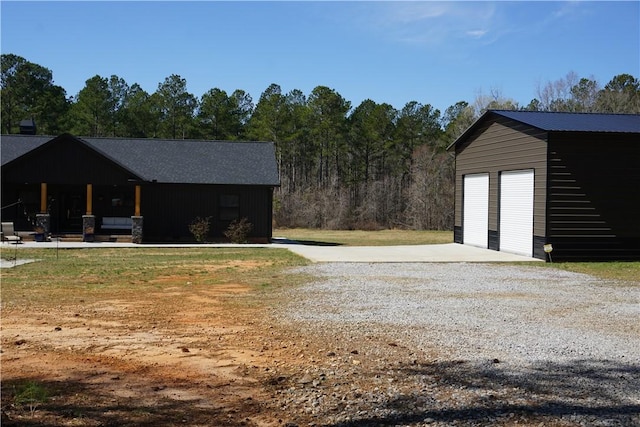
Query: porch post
{"type": "Point", "coordinates": [89, 199]}
{"type": "Point", "coordinates": [89, 220]}
{"type": "Point", "coordinates": [43, 197]}
{"type": "Point", "coordinates": [42, 225]}
{"type": "Point", "coordinates": [137, 219]}
{"type": "Point", "coordinates": [137, 209]}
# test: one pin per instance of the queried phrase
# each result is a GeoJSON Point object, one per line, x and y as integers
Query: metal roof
{"type": "Point", "coordinates": [560, 122]}
{"type": "Point", "coordinates": [576, 122]}
{"type": "Point", "coordinates": [172, 161]}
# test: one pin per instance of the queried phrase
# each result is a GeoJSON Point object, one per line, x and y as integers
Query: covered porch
{"type": "Point", "coordinates": [75, 212]}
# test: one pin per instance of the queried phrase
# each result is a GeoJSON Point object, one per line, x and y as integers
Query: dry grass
{"type": "Point", "coordinates": [366, 238]}
{"type": "Point", "coordinates": [87, 274]}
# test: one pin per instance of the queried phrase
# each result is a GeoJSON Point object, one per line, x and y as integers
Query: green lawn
{"type": "Point", "coordinates": [620, 271]}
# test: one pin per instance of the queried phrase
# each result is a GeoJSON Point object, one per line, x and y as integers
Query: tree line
{"type": "Point", "coordinates": [369, 166]}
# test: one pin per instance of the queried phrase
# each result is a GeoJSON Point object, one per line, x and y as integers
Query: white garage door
{"type": "Point", "coordinates": [475, 210]}
{"type": "Point", "coordinates": [516, 212]}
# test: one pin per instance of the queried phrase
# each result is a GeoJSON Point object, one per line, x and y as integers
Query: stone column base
{"type": "Point", "coordinates": [42, 227]}
{"type": "Point", "coordinates": [136, 229]}
{"type": "Point", "coordinates": [88, 228]}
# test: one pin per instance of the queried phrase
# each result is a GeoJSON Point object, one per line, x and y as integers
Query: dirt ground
{"type": "Point", "coordinates": [195, 355]}
{"type": "Point", "coordinates": [181, 356]}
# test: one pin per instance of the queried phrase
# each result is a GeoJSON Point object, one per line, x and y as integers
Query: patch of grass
{"type": "Point", "coordinates": [618, 271]}
{"type": "Point", "coordinates": [31, 395]}
{"type": "Point", "coordinates": [365, 238]}
{"type": "Point", "coordinates": [87, 275]}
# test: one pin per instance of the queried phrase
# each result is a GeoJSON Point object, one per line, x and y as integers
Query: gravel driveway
{"type": "Point", "coordinates": [480, 344]}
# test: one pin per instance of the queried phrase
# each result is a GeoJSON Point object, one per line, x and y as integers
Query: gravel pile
{"type": "Point", "coordinates": [462, 344]}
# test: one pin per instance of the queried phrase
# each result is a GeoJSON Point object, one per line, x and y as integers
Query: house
{"type": "Point", "coordinates": [568, 183]}
{"type": "Point", "coordinates": [150, 189]}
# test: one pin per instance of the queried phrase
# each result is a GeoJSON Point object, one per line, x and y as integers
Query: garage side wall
{"type": "Point", "coordinates": [502, 145]}
{"type": "Point", "coordinates": [594, 207]}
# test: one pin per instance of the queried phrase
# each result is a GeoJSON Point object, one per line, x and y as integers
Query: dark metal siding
{"type": "Point", "coordinates": [538, 247]}
{"type": "Point", "coordinates": [66, 161]}
{"type": "Point", "coordinates": [593, 202]}
{"type": "Point", "coordinates": [168, 209]}
{"type": "Point", "coordinates": [457, 234]}
{"type": "Point", "coordinates": [503, 145]}
{"type": "Point", "coordinates": [494, 240]}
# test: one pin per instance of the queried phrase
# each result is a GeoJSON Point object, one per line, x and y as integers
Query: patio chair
{"type": "Point", "coordinates": [9, 234]}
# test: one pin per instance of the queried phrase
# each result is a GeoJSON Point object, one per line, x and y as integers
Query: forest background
{"type": "Point", "coordinates": [368, 167]}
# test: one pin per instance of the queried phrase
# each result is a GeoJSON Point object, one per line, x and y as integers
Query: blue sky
{"type": "Point", "coordinates": [435, 53]}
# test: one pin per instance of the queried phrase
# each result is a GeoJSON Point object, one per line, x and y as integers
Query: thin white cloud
{"type": "Point", "coordinates": [431, 24]}
{"type": "Point", "coordinates": [477, 33]}
{"type": "Point", "coordinates": [566, 9]}
{"type": "Point", "coordinates": [407, 12]}
{"type": "Point", "coordinates": [552, 14]}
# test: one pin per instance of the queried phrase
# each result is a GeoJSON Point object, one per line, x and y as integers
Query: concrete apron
{"type": "Point", "coordinates": [450, 252]}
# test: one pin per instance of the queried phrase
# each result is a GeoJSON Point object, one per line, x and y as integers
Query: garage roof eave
{"type": "Point", "coordinates": [468, 131]}
{"type": "Point", "coordinates": [548, 121]}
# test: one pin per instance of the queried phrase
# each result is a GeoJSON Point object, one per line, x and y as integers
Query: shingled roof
{"type": "Point", "coordinates": [172, 161]}
{"type": "Point", "coordinates": [562, 122]}
{"type": "Point", "coordinates": [14, 146]}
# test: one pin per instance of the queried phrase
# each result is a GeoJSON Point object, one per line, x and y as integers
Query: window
{"type": "Point", "coordinates": [229, 207]}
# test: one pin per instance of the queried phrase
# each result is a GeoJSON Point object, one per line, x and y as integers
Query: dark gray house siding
{"type": "Point", "coordinates": [172, 182]}
{"type": "Point", "coordinates": [63, 161]}
{"type": "Point", "coordinates": [181, 204]}
{"type": "Point", "coordinates": [586, 179]}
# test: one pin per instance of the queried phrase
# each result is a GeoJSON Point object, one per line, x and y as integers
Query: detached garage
{"type": "Point", "coordinates": [572, 181]}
